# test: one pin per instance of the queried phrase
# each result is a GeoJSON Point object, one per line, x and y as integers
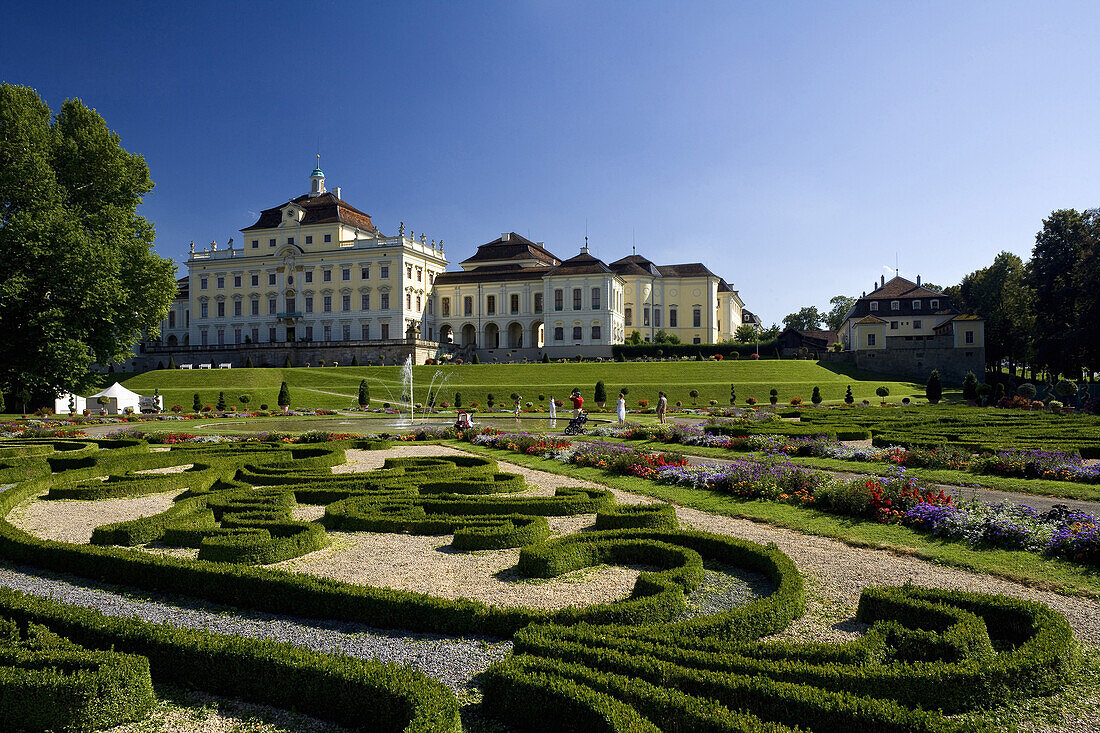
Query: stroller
{"type": "Point", "coordinates": [576, 424]}
{"type": "Point", "coordinates": [463, 421]}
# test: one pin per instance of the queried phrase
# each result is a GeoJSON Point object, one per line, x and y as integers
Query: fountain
{"type": "Point", "coordinates": [407, 385]}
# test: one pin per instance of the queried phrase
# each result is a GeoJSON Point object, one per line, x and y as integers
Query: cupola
{"type": "Point", "coordinates": [317, 180]}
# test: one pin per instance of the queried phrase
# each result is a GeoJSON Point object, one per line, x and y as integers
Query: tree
{"type": "Point", "coordinates": [773, 396]}
{"type": "Point", "coordinates": [171, 363]}
{"type": "Point", "coordinates": [848, 398]}
{"type": "Point", "coordinates": [635, 337]}
{"type": "Point", "coordinates": [970, 387]}
{"type": "Point", "coordinates": [364, 393]}
{"type": "Point", "coordinates": [1059, 249]}
{"type": "Point", "coordinates": [196, 403]}
{"type": "Point", "coordinates": [545, 358]}
{"type": "Point", "coordinates": [807, 319]}
{"type": "Point", "coordinates": [663, 337]}
{"type": "Point", "coordinates": [79, 280]}
{"type": "Point", "coordinates": [286, 363]}
{"type": "Point", "coordinates": [248, 363]}
{"type": "Point", "coordinates": [933, 390]}
{"type": "Point", "coordinates": [475, 360]}
{"type": "Point", "coordinates": [489, 399]}
{"type": "Point", "coordinates": [245, 399]}
{"type": "Point", "coordinates": [1002, 296]}
{"type": "Point", "coordinates": [841, 304]}
{"type": "Point", "coordinates": [883, 392]}
{"type": "Point", "coordinates": [816, 396]}
{"type": "Point", "coordinates": [221, 402]}
{"type": "Point", "coordinates": [733, 394]}
{"type": "Point", "coordinates": [745, 333]}
{"type": "Point", "coordinates": [694, 395]}
{"type": "Point", "coordinates": [3, 406]}
{"type": "Point", "coordinates": [284, 396]}
{"type": "Point", "coordinates": [770, 333]}
{"type": "Point", "coordinates": [354, 360]}
{"type": "Point", "coordinates": [600, 395]}
{"type": "Point", "coordinates": [458, 399]}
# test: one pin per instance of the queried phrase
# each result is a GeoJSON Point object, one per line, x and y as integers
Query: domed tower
{"type": "Point", "coordinates": [317, 180]}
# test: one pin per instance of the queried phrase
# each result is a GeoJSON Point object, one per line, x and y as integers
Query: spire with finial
{"type": "Point", "coordinates": [585, 249]}
{"type": "Point", "coordinates": [317, 180]}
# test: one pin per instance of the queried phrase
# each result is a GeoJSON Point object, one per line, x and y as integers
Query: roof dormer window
{"type": "Point", "coordinates": [895, 305]}
{"type": "Point", "coordinates": [934, 304]}
{"type": "Point", "coordinates": [874, 305]}
{"type": "Point", "coordinates": [916, 305]}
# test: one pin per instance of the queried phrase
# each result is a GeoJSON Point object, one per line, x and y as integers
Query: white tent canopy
{"type": "Point", "coordinates": [118, 399]}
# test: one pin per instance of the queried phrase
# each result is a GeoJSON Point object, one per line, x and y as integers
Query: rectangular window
{"type": "Point", "coordinates": [346, 332]}
{"type": "Point", "coordinates": [895, 305]}
{"type": "Point", "coordinates": [236, 307]}
{"type": "Point", "coordinates": [221, 337]}
{"type": "Point", "coordinates": [271, 243]}
{"type": "Point", "coordinates": [385, 331]}
{"type": "Point", "coordinates": [657, 317]}
{"type": "Point", "coordinates": [326, 304]}
{"type": "Point", "coordinates": [205, 337]}
{"type": "Point", "coordinates": [917, 325]}
{"type": "Point", "coordinates": [431, 306]}
{"type": "Point", "coordinates": [221, 309]}
{"type": "Point", "coordinates": [445, 305]}
{"type": "Point", "coordinates": [672, 318]}
{"type": "Point", "coordinates": [419, 303]}
{"type": "Point", "coordinates": [271, 335]}
{"type": "Point", "coordinates": [969, 337]}
{"type": "Point", "coordinates": [595, 333]}
{"type": "Point", "coordinates": [327, 331]}
{"type": "Point", "coordinates": [236, 335]}
{"type": "Point", "coordinates": [874, 305]}
{"type": "Point", "coordinates": [256, 307]}
{"type": "Point", "coordinates": [490, 304]}
{"type": "Point", "coordinates": [326, 275]}
{"type": "Point", "coordinates": [365, 272]}
{"type": "Point", "coordinates": [255, 244]}
{"type": "Point", "coordinates": [345, 274]}
{"type": "Point", "coordinates": [271, 278]}
{"type": "Point", "coordinates": [309, 333]}
{"type": "Point", "coordinates": [236, 281]}
{"type": "Point", "coordinates": [595, 299]}
{"type": "Point", "coordinates": [309, 239]}
{"type": "Point", "coordinates": [309, 304]}
{"type": "Point", "coordinates": [870, 339]}
{"type": "Point", "coordinates": [255, 280]}
{"type": "Point", "coordinates": [409, 272]}
{"type": "Point", "coordinates": [468, 306]}
{"type": "Point", "coordinates": [364, 332]}
{"type": "Point", "coordinates": [577, 333]}
{"type": "Point", "coordinates": [345, 303]}
{"type": "Point", "coordinates": [916, 305]}
{"type": "Point", "coordinates": [893, 325]}
{"type": "Point", "coordinates": [559, 333]}
{"type": "Point", "coordinates": [419, 275]}
{"type": "Point", "coordinates": [203, 283]}
{"type": "Point", "coordinates": [309, 276]}
{"type": "Point", "coordinates": [203, 310]}
{"type": "Point", "coordinates": [221, 282]}
{"type": "Point", "coordinates": [384, 272]}
{"type": "Point", "coordinates": [290, 240]}
{"type": "Point", "coordinates": [696, 318]}
{"type": "Point", "coordinates": [171, 319]}
{"type": "Point", "coordinates": [628, 316]}
{"type": "Point", "coordinates": [933, 304]}
{"type": "Point", "coordinates": [645, 316]}
{"type": "Point", "coordinates": [513, 302]}
{"type": "Point", "coordinates": [328, 237]}
{"type": "Point", "coordinates": [538, 302]}
{"type": "Point", "coordinates": [255, 335]}
{"type": "Point", "coordinates": [290, 305]}
{"type": "Point", "coordinates": [364, 301]}
{"type": "Point", "coordinates": [385, 304]}
{"type": "Point", "coordinates": [576, 299]}
{"type": "Point", "coordinates": [271, 306]}
{"type": "Point", "coordinates": [697, 340]}
{"type": "Point", "coordinates": [559, 296]}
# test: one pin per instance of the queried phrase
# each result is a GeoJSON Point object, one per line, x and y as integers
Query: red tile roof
{"type": "Point", "coordinates": [323, 209]}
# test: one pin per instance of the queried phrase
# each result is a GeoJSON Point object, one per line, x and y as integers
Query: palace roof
{"type": "Point", "coordinates": [582, 264]}
{"type": "Point", "coordinates": [511, 246]}
{"type": "Point", "coordinates": [323, 209]}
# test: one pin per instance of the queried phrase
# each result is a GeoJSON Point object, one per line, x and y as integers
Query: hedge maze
{"type": "Point", "coordinates": [640, 664]}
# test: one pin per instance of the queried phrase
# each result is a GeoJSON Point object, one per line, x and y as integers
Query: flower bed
{"type": "Point", "coordinates": [1044, 464]}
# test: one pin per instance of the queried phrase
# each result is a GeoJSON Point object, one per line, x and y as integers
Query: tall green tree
{"type": "Point", "coordinates": [1087, 284]}
{"type": "Point", "coordinates": [284, 396]}
{"type": "Point", "coordinates": [806, 319]}
{"type": "Point", "coordinates": [79, 280]}
{"type": "Point", "coordinates": [839, 307]}
{"type": "Point", "coordinates": [1002, 295]}
{"type": "Point", "coordinates": [364, 393]}
{"type": "Point", "coordinates": [1052, 273]}
{"type": "Point", "coordinates": [744, 334]}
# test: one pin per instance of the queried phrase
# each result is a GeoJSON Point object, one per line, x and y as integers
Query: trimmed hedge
{"type": "Point", "coordinates": [630, 516]}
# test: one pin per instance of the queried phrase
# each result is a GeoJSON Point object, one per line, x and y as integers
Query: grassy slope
{"type": "Point", "coordinates": [336, 387]}
{"type": "Point", "coordinates": [1023, 567]}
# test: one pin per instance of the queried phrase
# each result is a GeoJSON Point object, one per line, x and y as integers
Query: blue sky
{"type": "Point", "coordinates": [794, 148]}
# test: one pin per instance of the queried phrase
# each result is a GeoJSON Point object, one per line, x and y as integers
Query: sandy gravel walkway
{"type": "Point", "coordinates": [73, 520]}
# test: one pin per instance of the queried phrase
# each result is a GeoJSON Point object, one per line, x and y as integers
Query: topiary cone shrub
{"type": "Point", "coordinates": [934, 390]}
{"type": "Point", "coordinates": [816, 396]}
{"type": "Point", "coordinates": [284, 396]}
{"type": "Point", "coordinates": [773, 396]}
{"type": "Point", "coordinates": [848, 398]}
{"type": "Point", "coordinates": [970, 388]}
{"type": "Point", "coordinates": [600, 395]}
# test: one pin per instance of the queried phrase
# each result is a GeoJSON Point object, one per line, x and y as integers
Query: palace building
{"type": "Point", "coordinates": [313, 278]}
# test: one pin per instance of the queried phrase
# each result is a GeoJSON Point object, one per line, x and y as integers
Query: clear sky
{"type": "Point", "coordinates": [794, 148]}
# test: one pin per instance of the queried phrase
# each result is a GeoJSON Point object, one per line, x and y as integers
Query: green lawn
{"type": "Point", "coordinates": [336, 387]}
{"type": "Point", "coordinates": [1023, 567]}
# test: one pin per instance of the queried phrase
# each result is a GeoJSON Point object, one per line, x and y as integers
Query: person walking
{"type": "Point", "coordinates": [517, 406]}
{"type": "Point", "coordinates": [620, 408]}
{"type": "Point", "coordinates": [553, 410]}
{"type": "Point", "coordinates": [578, 403]}
{"type": "Point", "coordinates": [662, 407]}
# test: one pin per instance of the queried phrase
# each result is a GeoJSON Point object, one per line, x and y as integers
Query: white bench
{"type": "Point", "coordinates": [187, 366]}
{"type": "Point", "coordinates": [206, 366]}
{"type": "Point", "coordinates": [225, 365]}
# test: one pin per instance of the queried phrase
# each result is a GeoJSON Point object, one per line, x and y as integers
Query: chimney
{"type": "Point", "coordinates": [337, 191]}
{"type": "Point", "coordinates": [882, 283]}
{"type": "Point", "coordinates": [918, 281]}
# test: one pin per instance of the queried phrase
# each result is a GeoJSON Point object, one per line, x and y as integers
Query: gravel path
{"type": "Point", "coordinates": [453, 661]}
